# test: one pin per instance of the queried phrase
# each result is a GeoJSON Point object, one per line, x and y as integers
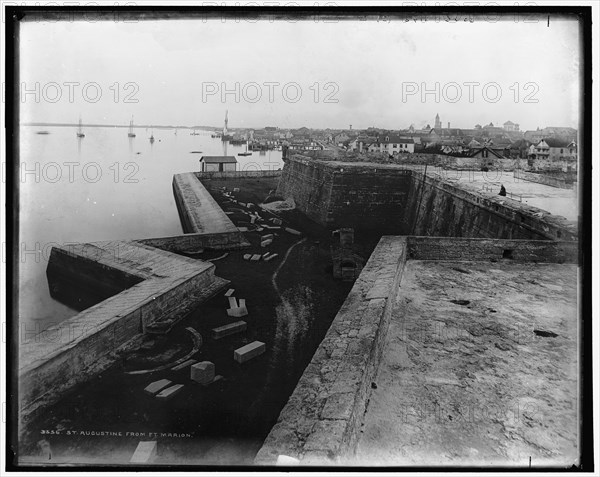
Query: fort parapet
{"type": "Point", "coordinates": [402, 200]}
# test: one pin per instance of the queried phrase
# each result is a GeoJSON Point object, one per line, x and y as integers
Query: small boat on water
{"type": "Point", "coordinates": [43, 132]}
{"type": "Point", "coordinates": [151, 136]}
{"type": "Point", "coordinates": [247, 153]}
{"type": "Point", "coordinates": [80, 130]}
{"type": "Point", "coordinates": [131, 133]}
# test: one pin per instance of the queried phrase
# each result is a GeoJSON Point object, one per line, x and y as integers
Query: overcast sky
{"type": "Point", "coordinates": [307, 73]}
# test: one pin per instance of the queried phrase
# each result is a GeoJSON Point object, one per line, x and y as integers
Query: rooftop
{"type": "Point", "coordinates": [218, 159]}
{"type": "Point", "coordinates": [469, 377]}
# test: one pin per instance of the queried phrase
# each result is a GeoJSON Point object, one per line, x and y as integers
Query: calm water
{"type": "Point", "coordinates": [105, 186]}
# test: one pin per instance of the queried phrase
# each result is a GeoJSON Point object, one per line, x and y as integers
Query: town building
{"type": "Point", "coordinates": [510, 126]}
{"type": "Point", "coordinates": [218, 163]}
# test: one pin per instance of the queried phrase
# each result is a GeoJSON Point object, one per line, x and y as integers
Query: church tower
{"type": "Point", "coordinates": [438, 123]}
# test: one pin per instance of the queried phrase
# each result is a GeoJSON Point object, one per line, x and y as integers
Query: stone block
{"type": "Point", "coordinates": [251, 350]}
{"type": "Point", "coordinates": [252, 219]}
{"type": "Point", "coordinates": [229, 329]}
{"type": "Point", "coordinates": [266, 243]}
{"type": "Point", "coordinates": [183, 365]}
{"type": "Point", "coordinates": [286, 460]}
{"type": "Point", "coordinates": [236, 189]}
{"type": "Point", "coordinates": [292, 231]}
{"type": "Point", "coordinates": [243, 229]}
{"type": "Point", "coordinates": [247, 256]}
{"type": "Point", "coordinates": [267, 237]}
{"type": "Point", "coordinates": [277, 221]}
{"type": "Point", "coordinates": [265, 255]}
{"type": "Point", "coordinates": [256, 257]}
{"type": "Point", "coordinates": [169, 393]}
{"type": "Point", "coordinates": [232, 302]}
{"type": "Point", "coordinates": [229, 292]}
{"type": "Point", "coordinates": [237, 312]}
{"type": "Point", "coordinates": [203, 372]}
{"type": "Point", "coordinates": [145, 453]}
{"type": "Point", "coordinates": [156, 386]}
{"type": "Point", "coordinates": [338, 406]}
{"type": "Point", "coordinates": [326, 436]}
{"type": "Point", "coordinates": [271, 257]}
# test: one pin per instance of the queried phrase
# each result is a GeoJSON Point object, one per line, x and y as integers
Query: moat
{"type": "Point", "coordinates": [317, 330]}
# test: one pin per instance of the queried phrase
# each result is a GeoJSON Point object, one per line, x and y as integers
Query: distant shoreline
{"type": "Point", "coordinates": [75, 125]}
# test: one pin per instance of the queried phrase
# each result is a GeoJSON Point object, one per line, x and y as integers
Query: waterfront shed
{"type": "Point", "coordinates": [217, 163]}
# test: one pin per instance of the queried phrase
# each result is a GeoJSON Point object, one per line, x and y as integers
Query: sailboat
{"type": "Point", "coordinates": [225, 136]}
{"type": "Point", "coordinates": [131, 133]}
{"type": "Point", "coordinates": [247, 153]}
{"type": "Point", "coordinates": [152, 136]}
{"type": "Point", "coordinates": [80, 130]}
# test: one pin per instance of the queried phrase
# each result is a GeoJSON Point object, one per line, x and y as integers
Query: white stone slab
{"type": "Point", "coordinates": [230, 292]}
{"type": "Point", "coordinates": [271, 257]}
{"type": "Point", "coordinates": [232, 302]}
{"type": "Point", "coordinates": [187, 363]}
{"type": "Point", "coordinates": [156, 386]}
{"type": "Point", "coordinates": [169, 393]}
{"type": "Point", "coordinates": [229, 329]}
{"type": "Point", "coordinates": [145, 453]}
{"type": "Point", "coordinates": [203, 372]}
{"type": "Point", "coordinates": [251, 350]}
{"type": "Point", "coordinates": [286, 460]}
{"type": "Point", "coordinates": [237, 312]}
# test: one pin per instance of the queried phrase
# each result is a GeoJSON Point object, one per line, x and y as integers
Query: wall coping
{"type": "Point", "coordinates": [319, 423]}
{"type": "Point", "coordinates": [321, 418]}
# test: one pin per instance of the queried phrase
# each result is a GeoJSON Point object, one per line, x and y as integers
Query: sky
{"type": "Point", "coordinates": [302, 73]}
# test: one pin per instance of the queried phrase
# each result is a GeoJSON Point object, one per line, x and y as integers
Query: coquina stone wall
{"type": "Point", "coordinates": [402, 200]}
